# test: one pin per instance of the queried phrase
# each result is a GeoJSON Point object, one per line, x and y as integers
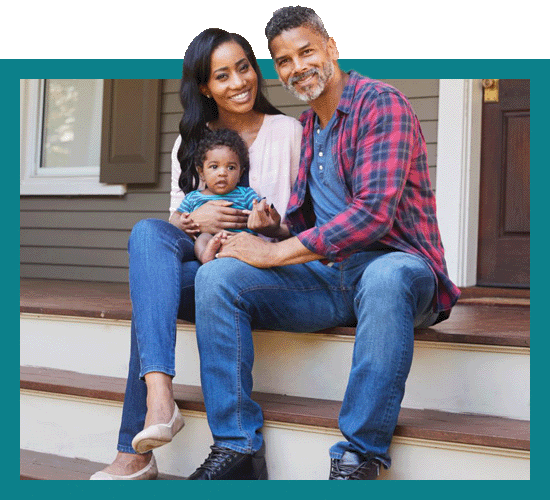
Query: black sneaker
{"type": "Point", "coordinates": [223, 463]}
{"type": "Point", "coordinates": [353, 466]}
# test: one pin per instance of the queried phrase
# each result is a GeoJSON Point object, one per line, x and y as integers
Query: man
{"type": "Point", "coordinates": [360, 245]}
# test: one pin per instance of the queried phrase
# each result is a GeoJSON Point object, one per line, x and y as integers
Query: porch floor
{"type": "Point", "coordinates": [482, 316]}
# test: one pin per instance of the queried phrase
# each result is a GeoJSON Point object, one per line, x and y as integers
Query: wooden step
{"type": "Point", "coordinates": [472, 321]}
{"type": "Point", "coordinates": [42, 466]}
{"type": "Point", "coordinates": [429, 425]}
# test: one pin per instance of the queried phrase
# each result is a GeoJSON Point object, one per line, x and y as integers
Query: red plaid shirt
{"type": "Point", "coordinates": [381, 154]}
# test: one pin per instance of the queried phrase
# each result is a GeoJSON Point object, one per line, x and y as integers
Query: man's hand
{"type": "Point", "coordinates": [248, 248]}
{"type": "Point", "coordinates": [263, 254]}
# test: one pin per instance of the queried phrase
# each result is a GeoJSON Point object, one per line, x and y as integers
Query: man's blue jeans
{"type": "Point", "coordinates": [162, 277]}
{"type": "Point", "coordinates": [387, 293]}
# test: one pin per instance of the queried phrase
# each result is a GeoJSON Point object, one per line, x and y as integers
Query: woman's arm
{"type": "Point", "coordinates": [215, 216]}
{"type": "Point", "coordinates": [176, 194]}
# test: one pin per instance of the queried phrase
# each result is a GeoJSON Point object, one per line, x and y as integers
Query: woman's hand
{"type": "Point", "coordinates": [215, 216]}
{"type": "Point", "coordinates": [264, 219]}
{"type": "Point", "coordinates": [184, 222]}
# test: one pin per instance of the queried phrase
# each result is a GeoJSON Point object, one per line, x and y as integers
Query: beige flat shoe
{"type": "Point", "coordinates": [150, 471]}
{"type": "Point", "coordinates": [158, 434]}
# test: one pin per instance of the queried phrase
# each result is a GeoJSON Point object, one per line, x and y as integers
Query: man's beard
{"type": "Point", "coordinates": [313, 91]}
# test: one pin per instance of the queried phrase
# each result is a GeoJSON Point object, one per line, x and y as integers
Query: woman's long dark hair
{"type": "Point", "coordinates": [198, 109]}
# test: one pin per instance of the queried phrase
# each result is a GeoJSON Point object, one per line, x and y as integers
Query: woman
{"type": "Point", "coordinates": [221, 88]}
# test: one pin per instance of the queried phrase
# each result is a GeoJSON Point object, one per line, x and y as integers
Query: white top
{"type": "Point", "coordinates": [274, 162]}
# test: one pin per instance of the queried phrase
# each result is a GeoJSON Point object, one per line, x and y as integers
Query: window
{"type": "Point", "coordinates": [60, 138]}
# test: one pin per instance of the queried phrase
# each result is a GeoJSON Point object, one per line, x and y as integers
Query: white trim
{"type": "Point", "coordinates": [183, 328]}
{"type": "Point", "coordinates": [311, 429]}
{"type": "Point", "coordinates": [458, 174]}
{"type": "Point", "coordinates": [59, 181]}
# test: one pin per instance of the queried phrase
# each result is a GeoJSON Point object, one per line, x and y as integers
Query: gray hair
{"type": "Point", "coordinates": [287, 18]}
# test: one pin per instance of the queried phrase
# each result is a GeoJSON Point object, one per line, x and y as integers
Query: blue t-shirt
{"type": "Point", "coordinates": [241, 197]}
{"type": "Point", "coordinates": [328, 193]}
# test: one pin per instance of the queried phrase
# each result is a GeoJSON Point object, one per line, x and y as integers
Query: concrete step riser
{"type": "Point", "coordinates": [447, 377]}
{"type": "Point", "coordinates": [84, 428]}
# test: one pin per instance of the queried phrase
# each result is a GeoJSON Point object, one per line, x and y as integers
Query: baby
{"type": "Point", "coordinates": [221, 160]}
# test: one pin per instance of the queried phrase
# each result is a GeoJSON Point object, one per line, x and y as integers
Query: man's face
{"type": "Point", "coordinates": [304, 61]}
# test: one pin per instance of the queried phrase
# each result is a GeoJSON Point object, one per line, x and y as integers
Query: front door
{"type": "Point", "coordinates": [504, 232]}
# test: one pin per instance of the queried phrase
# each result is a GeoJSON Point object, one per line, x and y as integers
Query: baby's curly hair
{"type": "Point", "coordinates": [222, 137]}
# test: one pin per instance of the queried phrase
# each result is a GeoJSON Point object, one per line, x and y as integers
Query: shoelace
{"type": "Point", "coordinates": [339, 471]}
{"type": "Point", "coordinates": [217, 458]}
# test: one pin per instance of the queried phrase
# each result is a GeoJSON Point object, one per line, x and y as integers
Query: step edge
{"type": "Point", "coordinates": [293, 418]}
{"type": "Point", "coordinates": [29, 455]}
{"type": "Point", "coordinates": [341, 334]}
{"type": "Point", "coordinates": [514, 453]}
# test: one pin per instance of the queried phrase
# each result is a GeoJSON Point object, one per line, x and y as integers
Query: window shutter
{"type": "Point", "coordinates": [130, 134]}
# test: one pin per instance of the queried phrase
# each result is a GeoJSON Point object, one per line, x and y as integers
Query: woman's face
{"type": "Point", "coordinates": [233, 83]}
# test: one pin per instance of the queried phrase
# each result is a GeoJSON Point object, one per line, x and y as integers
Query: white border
{"type": "Point", "coordinates": [171, 25]}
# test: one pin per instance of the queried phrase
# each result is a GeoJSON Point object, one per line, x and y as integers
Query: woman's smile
{"type": "Point", "coordinates": [242, 97]}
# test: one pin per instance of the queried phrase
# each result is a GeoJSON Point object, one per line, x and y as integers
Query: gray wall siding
{"type": "Point", "coordinates": [85, 238]}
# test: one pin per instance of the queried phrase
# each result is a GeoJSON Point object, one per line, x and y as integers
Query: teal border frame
{"type": "Point", "coordinates": [535, 69]}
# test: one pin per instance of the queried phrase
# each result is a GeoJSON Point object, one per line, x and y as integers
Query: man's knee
{"type": "Point", "coordinates": [394, 274]}
{"type": "Point", "coordinates": [218, 277]}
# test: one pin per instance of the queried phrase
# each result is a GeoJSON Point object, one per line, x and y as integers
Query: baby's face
{"type": "Point", "coordinates": [221, 170]}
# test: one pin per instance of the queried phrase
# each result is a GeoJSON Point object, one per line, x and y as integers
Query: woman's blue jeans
{"type": "Point", "coordinates": [162, 277]}
{"type": "Point", "coordinates": [387, 293]}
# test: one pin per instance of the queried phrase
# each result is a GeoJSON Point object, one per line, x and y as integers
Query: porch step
{"type": "Point", "coordinates": [469, 376]}
{"type": "Point", "coordinates": [423, 424]}
{"type": "Point", "coordinates": [292, 423]}
{"type": "Point", "coordinates": [490, 323]}
{"type": "Point", "coordinates": [44, 466]}
{"type": "Point", "coordinates": [466, 404]}
{"type": "Point", "coordinates": [472, 352]}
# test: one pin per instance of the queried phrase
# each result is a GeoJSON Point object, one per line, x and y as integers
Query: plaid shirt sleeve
{"type": "Point", "coordinates": [382, 140]}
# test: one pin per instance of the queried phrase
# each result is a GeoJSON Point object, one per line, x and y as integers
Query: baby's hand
{"type": "Point", "coordinates": [264, 219]}
{"type": "Point", "coordinates": [184, 222]}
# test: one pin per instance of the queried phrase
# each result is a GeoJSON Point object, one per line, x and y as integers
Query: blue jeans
{"type": "Point", "coordinates": [386, 293]}
{"type": "Point", "coordinates": [162, 277]}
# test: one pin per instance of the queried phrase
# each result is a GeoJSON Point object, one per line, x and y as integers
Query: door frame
{"type": "Point", "coordinates": [458, 175]}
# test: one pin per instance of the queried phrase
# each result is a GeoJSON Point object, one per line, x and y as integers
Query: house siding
{"type": "Point", "coordinates": [85, 238]}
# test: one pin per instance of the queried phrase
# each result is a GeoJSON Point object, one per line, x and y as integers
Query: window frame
{"type": "Point", "coordinates": [59, 181]}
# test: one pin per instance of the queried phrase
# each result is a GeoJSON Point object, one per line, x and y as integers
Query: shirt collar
{"type": "Point", "coordinates": [344, 106]}
{"type": "Point", "coordinates": [349, 91]}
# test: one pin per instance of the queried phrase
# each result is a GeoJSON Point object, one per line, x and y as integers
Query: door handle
{"type": "Point", "coordinates": [490, 90]}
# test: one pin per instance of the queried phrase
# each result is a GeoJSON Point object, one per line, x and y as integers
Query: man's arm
{"type": "Point", "coordinates": [383, 142]}
{"type": "Point", "coordinates": [263, 254]}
